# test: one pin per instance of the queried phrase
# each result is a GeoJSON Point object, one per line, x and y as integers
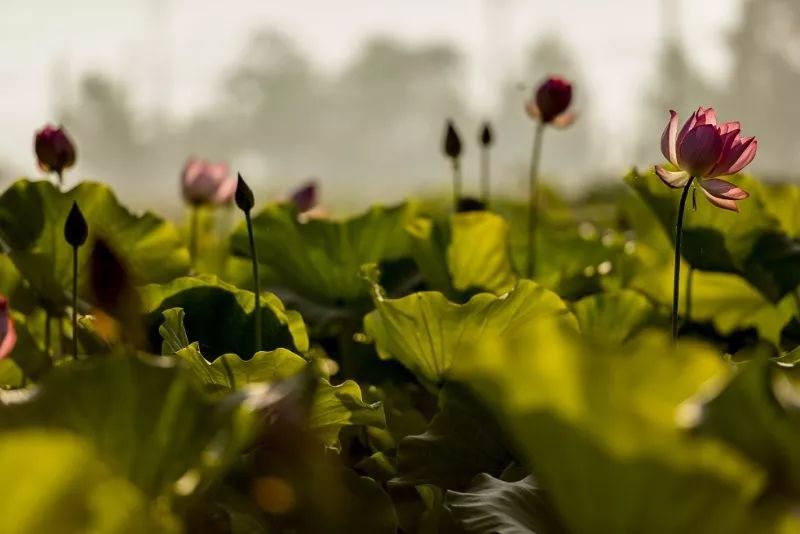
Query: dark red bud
{"type": "Point", "coordinates": [305, 198]}
{"type": "Point", "coordinates": [553, 98]}
{"type": "Point", "coordinates": [54, 149]}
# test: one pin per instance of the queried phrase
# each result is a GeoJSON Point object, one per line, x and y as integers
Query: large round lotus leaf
{"type": "Point", "coordinates": [427, 333]}
{"type": "Point", "coordinates": [220, 317]}
{"type": "Point", "coordinates": [320, 259]}
{"type": "Point", "coordinates": [601, 429]}
{"type": "Point", "coordinates": [32, 216]}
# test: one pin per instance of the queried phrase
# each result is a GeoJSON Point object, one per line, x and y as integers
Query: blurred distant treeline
{"type": "Point", "coordinates": [372, 131]}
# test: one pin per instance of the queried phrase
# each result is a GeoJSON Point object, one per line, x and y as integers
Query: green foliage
{"type": "Point", "coordinates": [472, 253]}
{"type": "Point", "coordinates": [427, 333]}
{"type": "Point", "coordinates": [220, 317]}
{"type": "Point", "coordinates": [601, 431]}
{"type": "Point", "coordinates": [320, 259]}
{"type": "Point", "coordinates": [754, 243]}
{"type": "Point", "coordinates": [151, 247]}
{"type": "Point", "coordinates": [61, 487]}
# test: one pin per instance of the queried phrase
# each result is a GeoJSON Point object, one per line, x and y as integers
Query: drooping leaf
{"type": "Point", "coordinates": [472, 254]}
{"type": "Point", "coordinates": [493, 505]}
{"type": "Point", "coordinates": [333, 407]}
{"type": "Point", "coordinates": [342, 405]}
{"type": "Point", "coordinates": [220, 317]}
{"type": "Point", "coordinates": [752, 243]}
{"type": "Point", "coordinates": [152, 247]}
{"type": "Point", "coordinates": [144, 417]}
{"type": "Point", "coordinates": [427, 333]}
{"type": "Point", "coordinates": [60, 486]}
{"type": "Point", "coordinates": [601, 430]}
{"type": "Point", "coordinates": [463, 440]}
{"type": "Point", "coordinates": [320, 259]}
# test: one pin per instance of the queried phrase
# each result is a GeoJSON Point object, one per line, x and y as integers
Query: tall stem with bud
{"type": "Point", "coordinates": [245, 201]}
{"type": "Point", "coordinates": [75, 233]}
{"type": "Point", "coordinates": [487, 139]}
{"type": "Point", "coordinates": [452, 149]}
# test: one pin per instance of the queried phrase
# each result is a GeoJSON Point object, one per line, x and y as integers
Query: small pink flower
{"type": "Point", "coordinates": [551, 101]}
{"type": "Point", "coordinates": [204, 182]}
{"type": "Point", "coordinates": [706, 150]}
{"type": "Point", "coordinates": [54, 149]}
{"type": "Point", "coordinates": [8, 335]}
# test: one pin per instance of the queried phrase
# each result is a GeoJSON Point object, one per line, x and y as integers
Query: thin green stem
{"type": "Point", "coordinates": [256, 281]}
{"type": "Point", "coordinates": [456, 184]}
{"type": "Point", "coordinates": [194, 231]}
{"type": "Point", "coordinates": [75, 302]}
{"type": "Point", "coordinates": [533, 198]}
{"type": "Point", "coordinates": [60, 175]}
{"type": "Point", "coordinates": [677, 276]}
{"type": "Point", "coordinates": [485, 176]}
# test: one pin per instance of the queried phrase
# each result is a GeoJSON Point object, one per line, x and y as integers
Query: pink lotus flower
{"type": "Point", "coordinates": [8, 335]}
{"type": "Point", "coordinates": [551, 101]}
{"type": "Point", "coordinates": [54, 149]}
{"type": "Point", "coordinates": [204, 182]}
{"type": "Point", "coordinates": [706, 150]}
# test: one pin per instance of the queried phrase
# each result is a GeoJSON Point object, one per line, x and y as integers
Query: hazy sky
{"type": "Point", "coordinates": [194, 40]}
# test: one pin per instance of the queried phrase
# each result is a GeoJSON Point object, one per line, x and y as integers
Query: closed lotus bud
{"type": "Point", "coordinates": [8, 335]}
{"type": "Point", "coordinates": [244, 195]}
{"type": "Point", "coordinates": [452, 142]}
{"type": "Point", "coordinates": [75, 229]}
{"type": "Point", "coordinates": [54, 149]}
{"type": "Point", "coordinates": [487, 135]}
{"type": "Point", "coordinates": [553, 98]}
{"type": "Point", "coordinates": [305, 198]}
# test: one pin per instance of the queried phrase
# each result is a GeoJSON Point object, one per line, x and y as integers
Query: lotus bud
{"type": "Point", "coordinates": [75, 229]}
{"type": "Point", "coordinates": [54, 149]}
{"type": "Point", "coordinates": [244, 195]}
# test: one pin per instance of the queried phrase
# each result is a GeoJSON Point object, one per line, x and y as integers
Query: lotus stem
{"type": "Point", "coordinates": [689, 281]}
{"type": "Point", "coordinates": [485, 175]}
{"type": "Point", "coordinates": [193, 234]}
{"type": "Point", "coordinates": [677, 276]}
{"type": "Point", "coordinates": [256, 280]}
{"type": "Point", "coordinates": [456, 184]}
{"type": "Point", "coordinates": [75, 302]}
{"type": "Point", "coordinates": [533, 199]}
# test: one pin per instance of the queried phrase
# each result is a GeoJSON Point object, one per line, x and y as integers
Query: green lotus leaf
{"type": "Point", "coordinates": [220, 317]}
{"type": "Point", "coordinates": [426, 332]}
{"type": "Point", "coordinates": [758, 413]}
{"type": "Point", "coordinates": [493, 505]}
{"type": "Point", "coordinates": [463, 440]}
{"type": "Point", "coordinates": [726, 300]}
{"type": "Point", "coordinates": [472, 254]}
{"type": "Point", "coordinates": [614, 318]}
{"type": "Point", "coordinates": [753, 243]}
{"type": "Point", "coordinates": [144, 417]}
{"type": "Point", "coordinates": [151, 247]}
{"type": "Point", "coordinates": [60, 486]}
{"type": "Point", "coordinates": [601, 429]}
{"type": "Point", "coordinates": [320, 259]}
{"type": "Point", "coordinates": [26, 354]}
{"type": "Point", "coordinates": [13, 287]}
{"type": "Point", "coordinates": [333, 407]}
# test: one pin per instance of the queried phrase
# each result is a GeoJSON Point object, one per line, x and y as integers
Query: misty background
{"type": "Point", "coordinates": [355, 92]}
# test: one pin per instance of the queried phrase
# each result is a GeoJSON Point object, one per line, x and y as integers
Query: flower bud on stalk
{"type": "Point", "coordinates": [452, 149]}
{"type": "Point", "coordinates": [245, 201]}
{"type": "Point", "coordinates": [55, 151]}
{"type": "Point", "coordinates": [76, 231]}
